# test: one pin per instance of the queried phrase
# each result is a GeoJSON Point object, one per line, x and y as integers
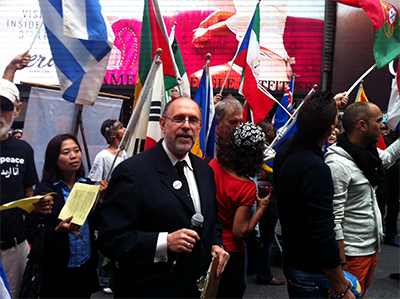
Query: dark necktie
{"type": "Point", "coordinates": [185, 186]}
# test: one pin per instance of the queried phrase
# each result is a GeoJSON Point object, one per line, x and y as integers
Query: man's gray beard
{"type": "Point", "coordinates": [7, 127]}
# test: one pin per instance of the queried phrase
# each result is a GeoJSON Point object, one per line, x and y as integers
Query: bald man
{"type": "Point", "coordinates": [357, 167]}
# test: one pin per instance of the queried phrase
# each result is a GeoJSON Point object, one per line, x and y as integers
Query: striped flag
{"type": "Point", "coordinates": [281, 115]}
{"type": "Point", "coordinates": [80, 39]}
{"type": "Point", "coordinates": [204, 145]}
{"type": "Point", "coordinates": [154, 35]}
{"type": "Point", "coordinates": [143, 130]}
{"type": "Point", "coordinates": [248, 57]}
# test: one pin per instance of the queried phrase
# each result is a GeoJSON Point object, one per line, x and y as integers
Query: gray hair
{"type": "Point", "coordinates": [222, 106]}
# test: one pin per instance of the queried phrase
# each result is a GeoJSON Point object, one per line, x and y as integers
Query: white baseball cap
{"type": "Point", "coordinates": [9, 90]}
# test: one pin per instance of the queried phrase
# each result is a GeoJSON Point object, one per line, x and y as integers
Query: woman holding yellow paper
{"type": "Point", "coordinates": [69, 263]}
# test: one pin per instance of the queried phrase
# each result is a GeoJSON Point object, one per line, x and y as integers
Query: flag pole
{"type": "Point", "coordinates": [289, 124]}
{"type": "Point", "coordinates": [138, 108]}
{"type": "Point", "coordinates": [166, 37]}
{"type": "Point", "coordinates": [207, 67]}
{"type": "Point", "coordinates": [359, 91]}
{"type": "Point", "coordinates": [359, 79]}
{"type": "Point", "coordinates": [227, 76]}
{"type": "Point", "coordinates": [234, 58]}
{"type": "Point", "coordinates": [180, 88]}
{"type": "Point", "coordinates": [172, 34]}
{"type": "Point", "coordinates": [278, 102]}
{"type": "Point", "coordinates": [79, 124]}
{"type": "Point", "coordinates": [176, 70]}
{"type": "Point", "coordinates": [37, 33]}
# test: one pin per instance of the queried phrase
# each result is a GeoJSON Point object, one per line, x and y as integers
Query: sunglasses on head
{"type": "Point", "coordinates": [6, 105]}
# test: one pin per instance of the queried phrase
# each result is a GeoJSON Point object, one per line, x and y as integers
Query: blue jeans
{"type": "Point", "coordinates": [305, 285]}
{"type": "Point", "coordinates": [103, 275]}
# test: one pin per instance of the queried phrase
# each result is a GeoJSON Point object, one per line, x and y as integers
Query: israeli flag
{"type": "Point", "coordinates": [81, 40]}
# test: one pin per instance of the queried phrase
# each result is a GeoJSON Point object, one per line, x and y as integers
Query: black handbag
{"type": "Point", "coordinates": [32, 279]}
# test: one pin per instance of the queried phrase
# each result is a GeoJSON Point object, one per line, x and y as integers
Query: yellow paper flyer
{"type": "Point", "coordinates": [24, 203]}
{"type": "Point", "coordinates": [79, 203]}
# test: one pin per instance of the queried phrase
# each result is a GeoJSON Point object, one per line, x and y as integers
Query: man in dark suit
{"type": "Point", "coordinates": [146, 215]}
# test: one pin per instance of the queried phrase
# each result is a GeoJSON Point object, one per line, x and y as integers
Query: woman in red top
{"type": "Point", "coordinates": [239, 157]}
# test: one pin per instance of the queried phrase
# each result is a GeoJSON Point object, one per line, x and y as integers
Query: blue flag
{"type": "Point", "coordinates": [281, 115]}
{"type": "Point", "coordinates": [204, 97]}
{"type": "Point", "coordinates": [80, 39]}
{"type": "Point", "coordinates": [4, 287]}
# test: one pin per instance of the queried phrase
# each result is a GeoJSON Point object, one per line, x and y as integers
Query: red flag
{"type": "Point", "coordinates": [248, 57]}
{"type": "Point", "coordinates": [381, 143]}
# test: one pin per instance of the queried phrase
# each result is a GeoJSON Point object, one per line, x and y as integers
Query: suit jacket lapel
{"type": "Point", "coordinates": [200, 181]}
{"type": "Point", "coordinates": [169, 175]}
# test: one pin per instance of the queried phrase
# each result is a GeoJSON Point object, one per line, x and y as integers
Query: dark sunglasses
{"type": "Point", "coordinates": [6, 105]}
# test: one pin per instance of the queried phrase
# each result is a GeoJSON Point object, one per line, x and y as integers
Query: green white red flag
{"type": "Point", "coordinates": [154, 35]}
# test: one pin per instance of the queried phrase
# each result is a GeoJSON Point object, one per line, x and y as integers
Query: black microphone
{"type": "Point", "coordinates": [196, 225]}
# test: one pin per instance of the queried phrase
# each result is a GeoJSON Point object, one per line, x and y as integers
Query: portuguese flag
{"type": "Point", "coordinates": [385, 19]}
{"type": "Point", "coordinates": [154, 35]}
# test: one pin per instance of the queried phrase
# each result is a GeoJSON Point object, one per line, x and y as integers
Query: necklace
{"type": "Point", "coordinates": [113, 150]}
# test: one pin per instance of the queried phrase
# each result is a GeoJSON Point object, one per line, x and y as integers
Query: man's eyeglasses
{"type": "Point", "coordinates": [179, 121]}
{"type": "Point", "coordinates": [7, 106]}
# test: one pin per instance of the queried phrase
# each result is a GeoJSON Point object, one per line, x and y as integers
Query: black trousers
{"type": "Point", "coordinates": [232, 283]}
{"type": "Point", "coordinates": [66, 282]}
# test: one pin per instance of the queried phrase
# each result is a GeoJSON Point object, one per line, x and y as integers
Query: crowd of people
{"type": "Point", "coordinates": [164, 214]}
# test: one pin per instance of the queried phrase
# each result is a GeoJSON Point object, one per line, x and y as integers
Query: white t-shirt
{"type": "Point", "coordinates": [102, 164]}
